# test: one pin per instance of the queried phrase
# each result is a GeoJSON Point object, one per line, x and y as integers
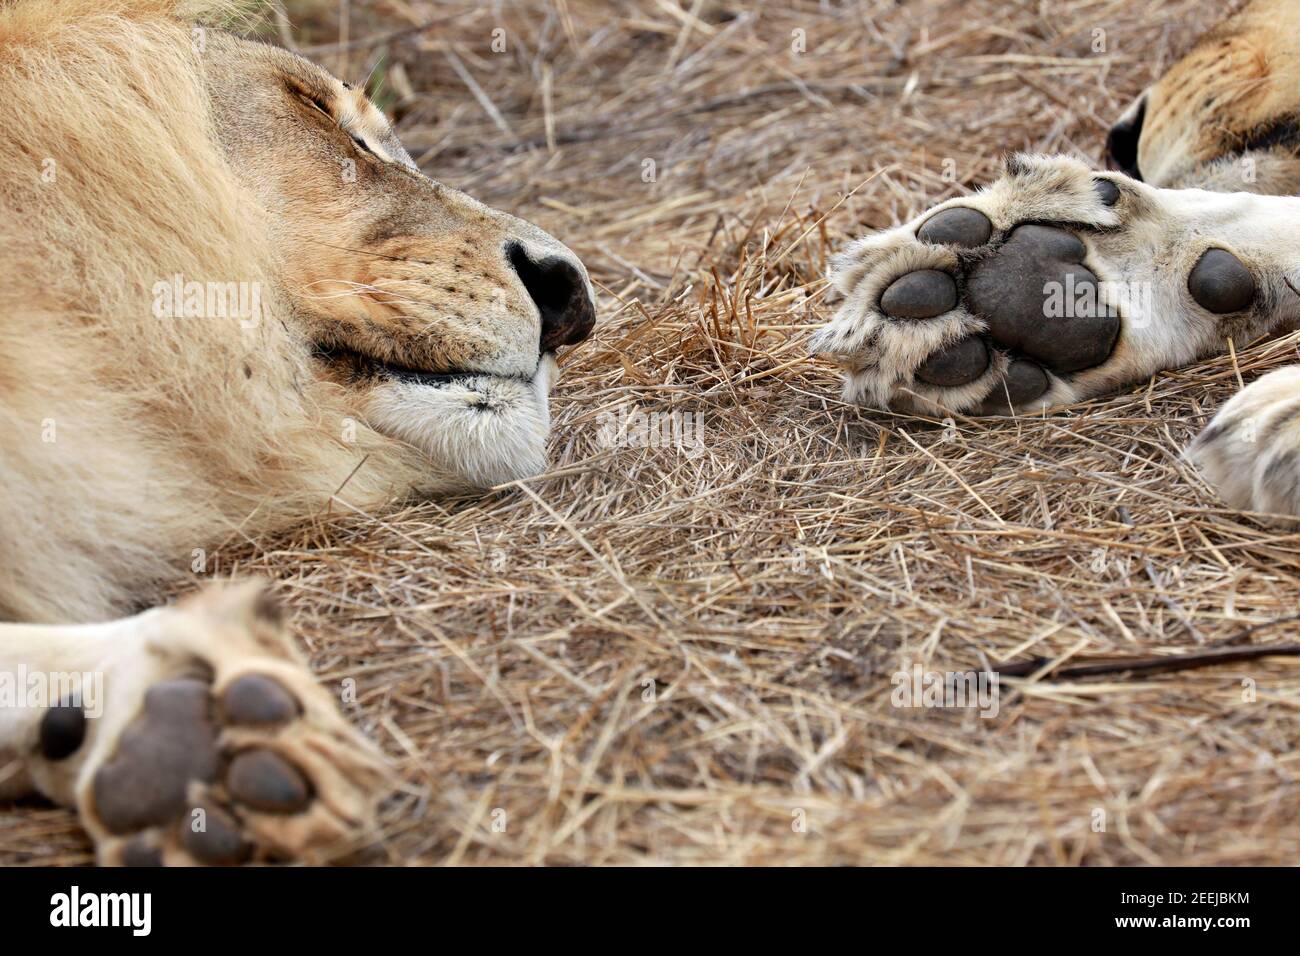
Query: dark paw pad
{"type": "Point", "coordinates": [920, 295]}
{"type": "Point", "coordinates": [171, 743]}
{"type": "Point", "coordinates": [1023, 382]}
{"type": "Point", "coordinates": [1221, 284]}
{"type": "Point", "coordinates": [1039, 299]}
{"type": "Point", "coordinates": [255, 699]}
{"type": "Point", "coordinates": [212, 836]}
{"type": "Point", "coordinates": [959, 226]}
{"type": "Point", "coordinates": [62, 731]}
{"type": "Point", "coordinates": [266, 781]}
{"type": "Point", "coordinates": [140, 850]}
{"type": "Point", "coordinates": [169, 784]}
{"type": "Point", "coordinates": [958, 364]}
{"type": "Point", "coordinates": [1106, 191]}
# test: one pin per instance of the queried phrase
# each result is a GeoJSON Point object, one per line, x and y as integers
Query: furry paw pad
{"type": "Point", "coordinates": [213, 744]}
{"type": "Point", "coordinates": [1051, 285]}
{"type": "Point", "coordinates": [176, 790]}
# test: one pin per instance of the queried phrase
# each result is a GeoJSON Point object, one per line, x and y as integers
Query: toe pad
{"type": "Point", "coordinates": [1106, 191]}
{"type": "Point", "coordinates": [958, 364]}
{"type": "Point", "coordinates": [141, 851]}
{"type": "Point", "coordinates": [1024, 381]}
{"type": "Point", "coordinates": [920, 295]}
{"type": "Point", "coordinates": [1221, 284]}
{"type": "Point", "coordinates": [958, 226]}
{"type": "Point", "coordinates": [256, 699]}
{"type": "Point", "coordinates": [266, 781]}
{"type": "Point", "coordinates": [218, 842]}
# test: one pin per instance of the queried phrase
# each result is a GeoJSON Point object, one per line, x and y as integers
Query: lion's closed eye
{"type": "Point", "coordinates": [320, 105]}
{"type": "Point", "coordinates": [311, 96]}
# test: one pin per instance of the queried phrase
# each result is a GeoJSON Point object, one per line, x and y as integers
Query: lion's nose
{"type": "Point", "coordinates": [556, 285]}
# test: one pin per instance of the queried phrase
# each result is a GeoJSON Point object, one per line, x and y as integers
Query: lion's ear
{"type": "Point", "coordinates": [1123, 138]}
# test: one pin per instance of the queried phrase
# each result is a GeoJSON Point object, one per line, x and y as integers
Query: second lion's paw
{"type": "Point", "coordinates": [1051, 285]}
{"type": "Point", "coordinates": [1250, 452]}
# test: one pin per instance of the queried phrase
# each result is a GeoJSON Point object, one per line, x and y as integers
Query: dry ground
{"type": "Point", "coordinates": [655, 656]}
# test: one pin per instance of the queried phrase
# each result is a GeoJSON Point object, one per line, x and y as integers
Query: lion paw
{"type": "Point", "coordinates": [1051, 285]}
{"type": "Point", "coordinates": [1250, 452]}
{"type": "Point", "coordinates": [214, 746]}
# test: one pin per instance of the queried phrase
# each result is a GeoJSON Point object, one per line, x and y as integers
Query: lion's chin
{"type": "Point", "coordinates": [483, 429]}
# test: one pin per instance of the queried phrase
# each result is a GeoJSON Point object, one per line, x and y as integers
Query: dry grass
{"type": "Point", "coordinates": [772, 583]}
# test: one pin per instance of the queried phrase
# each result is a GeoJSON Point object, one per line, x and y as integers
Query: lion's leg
{"type": "Point", "coordinates": [188, 734]}
{"type": "Point", "coordinates": [1056, 284]}
{"type": "Point", "coordinates": [40, 667]}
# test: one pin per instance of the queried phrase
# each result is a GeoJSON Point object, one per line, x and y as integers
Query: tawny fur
{"type": "Point", "coordinates": [1212, 118]}
{"type": "Point", "coordinates": [129, 440]}
{"type": "Point", "coordinates": [144, 152]}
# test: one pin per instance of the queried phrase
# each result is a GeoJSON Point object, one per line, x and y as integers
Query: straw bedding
{"type": "Point", "coordinates": [682, 651]}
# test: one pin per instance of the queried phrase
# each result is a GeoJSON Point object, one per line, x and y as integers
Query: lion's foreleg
{"type": "Point", "coordinates": [43, 668]}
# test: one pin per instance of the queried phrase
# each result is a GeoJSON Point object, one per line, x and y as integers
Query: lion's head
{"type": "Point", "coordinates": [435, 316]}
{"type": "Point", "coordinates": [232, 301]}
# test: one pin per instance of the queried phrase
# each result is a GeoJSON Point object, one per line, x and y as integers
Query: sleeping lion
{"type": "Point", "coordinates": [231, 298]}
{"type": "Point", "coordinates": [228, 293]}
